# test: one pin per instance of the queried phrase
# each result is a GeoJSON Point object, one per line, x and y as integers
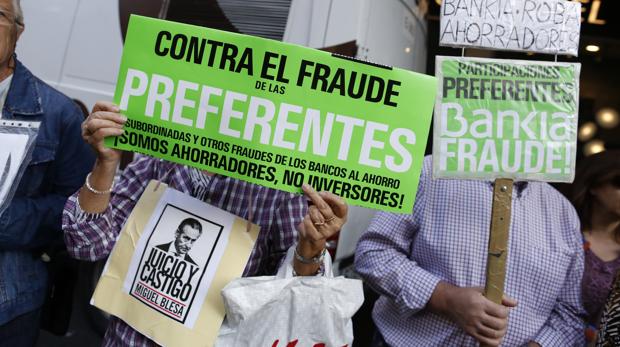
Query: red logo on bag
{"type": "Point", "coordinates": [294, 344]}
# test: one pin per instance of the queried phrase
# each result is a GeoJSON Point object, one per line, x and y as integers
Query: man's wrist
{"type": "Point", "coordinates": [439, 302]}
{"type": "Point", "coordinates": [310, 249]}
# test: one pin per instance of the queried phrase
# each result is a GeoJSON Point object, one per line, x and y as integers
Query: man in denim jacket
{"type": "Point", "coordinates": [59, 163]}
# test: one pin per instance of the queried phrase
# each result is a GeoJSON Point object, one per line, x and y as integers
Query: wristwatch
{"type": "Point", "coordinates": [314, 260]}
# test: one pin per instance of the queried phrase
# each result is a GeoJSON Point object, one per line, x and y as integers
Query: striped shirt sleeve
{"type": "Point", "coordinates": [92, 236]}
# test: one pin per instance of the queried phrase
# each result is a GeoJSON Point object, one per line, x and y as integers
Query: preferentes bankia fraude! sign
{"type": "Point", "coordinates": [274, 114]}
{"type": "Point", "coordinates": [545, 26]}
{"type": "Point", "coordinates": [505, 119]}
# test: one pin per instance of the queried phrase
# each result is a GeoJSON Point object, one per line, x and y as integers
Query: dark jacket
{"type": "Point", "coordinates": [32, 221]}
{"type": "Point", "coordinates": [166, 246]}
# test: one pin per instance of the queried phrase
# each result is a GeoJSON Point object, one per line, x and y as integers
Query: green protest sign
{"type": "Point", "coordinates": [505, 119]}
{"type": "Point", "coordinates": [274, 114]}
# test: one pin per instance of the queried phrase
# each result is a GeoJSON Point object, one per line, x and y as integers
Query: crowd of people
{"type": "Point", "coordinates": [428, 266]}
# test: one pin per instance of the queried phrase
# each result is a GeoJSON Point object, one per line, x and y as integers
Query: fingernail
{"type": "Point", "coordinates": [124, 118]}
{"type": "Point", "coordinates": [305, 186]}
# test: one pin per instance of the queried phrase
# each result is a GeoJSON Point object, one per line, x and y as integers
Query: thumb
{"type": "Point", "coordinates": [508, 301]}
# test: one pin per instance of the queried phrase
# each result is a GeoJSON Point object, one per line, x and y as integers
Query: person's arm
{"type": "Point", "coordinates": [565, 326]}
{"type": "Point", "coordinates": [91, 222]}
{"type": "Point", "coordinates": [326, 215]}
{"type": "Point", "coordinates": [91, 236]}
{"type": "Point", "coordinates": [306, 228]}
{"type": "Point", "coordinates": [33, 222]}
{"type": "Point", "coordinates": [105, 120]}
{"type": "Point", "coordinates": [382, 256]}
{"type": "Point", "coordinates": [289, 212]}
{"type": "Point", "coordinates": [383, 259]}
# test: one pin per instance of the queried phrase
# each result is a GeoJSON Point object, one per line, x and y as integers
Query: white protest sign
{"type": "Point", "coordinates": [17, 142]}
{"type": "Point", "coordinates": [545, 26]}
{"type": "Point", "coordinates": [13, 150]}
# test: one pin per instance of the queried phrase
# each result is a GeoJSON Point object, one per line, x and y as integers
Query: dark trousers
{"type": "Point", "coordinates": [22, 331]}
{"type": "Point", "coordinates": [378, 340]}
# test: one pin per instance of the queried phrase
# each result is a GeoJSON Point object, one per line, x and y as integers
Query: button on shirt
{"type": "Point", "coordinates": [92, 236]}
{"type": "Point", "coordinates": [446, 237]}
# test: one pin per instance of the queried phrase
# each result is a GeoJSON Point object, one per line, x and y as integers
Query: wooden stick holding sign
{"type": "Point", "coordinates": [498, 240]}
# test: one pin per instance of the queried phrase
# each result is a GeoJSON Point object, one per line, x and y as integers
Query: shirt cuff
{"type": "Point", "coordinates": [421, 285]}
{"type": "Point", "coordinates": [81, 215]}
{"type": "Point", "coordinates": [548, 337]}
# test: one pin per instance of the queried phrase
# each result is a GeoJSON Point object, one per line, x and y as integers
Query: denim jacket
{"type": "Point", "coordinates": [59, 163]}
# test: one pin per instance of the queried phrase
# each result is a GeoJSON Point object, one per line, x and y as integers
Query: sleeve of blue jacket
{"type": "Point", "coordinates": [34, 221]}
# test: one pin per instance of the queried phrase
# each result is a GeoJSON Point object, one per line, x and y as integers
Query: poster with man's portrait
{"type": "Point", "coordinates": [174, 261]}
{"type": "Point", "coordinates": [170, 270]}
{"type": "Point", "coordinates": [169, 265]}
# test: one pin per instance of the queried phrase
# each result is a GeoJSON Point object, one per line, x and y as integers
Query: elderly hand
{"type": "Point", "coordinates": [105, 120]}
{"type": "Point", "coordinates": [479, 317]}
{"type": "Point", "coordinates": [326, 215]}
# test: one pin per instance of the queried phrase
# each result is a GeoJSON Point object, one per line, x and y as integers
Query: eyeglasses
{"type": "Point", "coordinates": [8, 18]}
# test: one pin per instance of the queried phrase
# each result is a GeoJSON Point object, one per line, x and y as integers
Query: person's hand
{"type": "Point", "coordinates": [479, 317]}
{"type": "Point", "coordinates": [326, 216]}
{"type": "Point", "coordinates": [105, 120]}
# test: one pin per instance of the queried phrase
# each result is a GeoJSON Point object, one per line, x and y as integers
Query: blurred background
{"type": "Point", "coordinates": [76, 45]}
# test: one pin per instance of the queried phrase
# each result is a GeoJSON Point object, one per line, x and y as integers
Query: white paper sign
{"type": "Point", "coordinates": [545, 26]}
{"type": "Point", "coordinates": [13, 149]}
{"type": "Point", "coordinates": [177, 255]}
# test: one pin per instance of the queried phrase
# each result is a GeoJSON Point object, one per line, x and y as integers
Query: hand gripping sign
{"type": "Point", "coordinates": [274, 114]}
{"type": "Point", "coordinates": [504, 120]}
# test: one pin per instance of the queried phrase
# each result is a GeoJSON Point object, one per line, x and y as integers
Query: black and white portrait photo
{"type": "Point", "coordinates": [172, 264]}
{"type": "Point", "coordinates": [186, 234]}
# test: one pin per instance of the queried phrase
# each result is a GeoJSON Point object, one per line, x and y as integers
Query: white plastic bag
{"type": "Point", "coordinates": [293, 311]}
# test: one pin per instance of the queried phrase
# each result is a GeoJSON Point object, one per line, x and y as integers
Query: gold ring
{"type": "Point", "coordinates": [330, 219]}
{"type": "Point", "coordinates": [319, 224]}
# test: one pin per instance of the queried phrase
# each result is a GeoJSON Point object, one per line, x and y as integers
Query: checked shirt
{"type": "Point", "coordinates": [445, 238]}
{"type": "Point", "coordinates": [92, 236]}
